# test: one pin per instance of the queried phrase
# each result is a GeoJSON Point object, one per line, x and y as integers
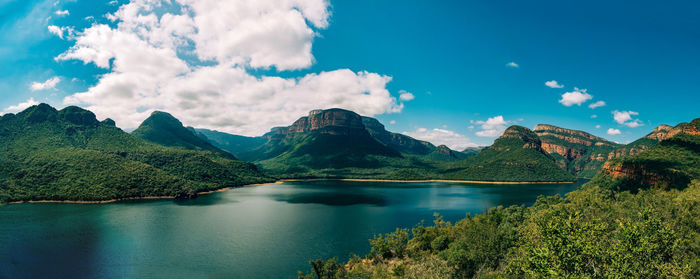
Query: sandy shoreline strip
{"type": "Point", "coordinates": [290, 180]}
{"type": "Point", "coordinates": [143, 198]}
{"type": "Point", "coordinates": [428, 181]}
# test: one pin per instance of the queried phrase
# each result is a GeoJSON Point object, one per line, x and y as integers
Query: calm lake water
{"type": "Point", "coordinates": [268, 231]}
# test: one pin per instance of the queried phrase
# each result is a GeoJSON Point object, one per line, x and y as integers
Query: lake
{"type": "Point", "coordinates": [267, 231]}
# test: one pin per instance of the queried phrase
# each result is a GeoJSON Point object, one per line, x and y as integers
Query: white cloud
{"type": "Point", "coordinates": [492, 127]}
{"type": "Point", "coordinates": [21, 106]}
{"type": "Point", "coordinates": [512, 65]}
{"type": "Point", "coordinates": [62, 13]}
{"type": "Point", "coordinates": [625, 118]}
{"type": "Point", "coordinates": [597, 104]}
{"type": "Point", "coordinates": [48, 84]}
{"type": "Point", "coordinates": [53, 29]}
{"type": "Point", "coordinates": [553, 84]}
{"type": "Point", "coordinates": [594, 116]}
{"type": "Point", "coordinates": [144, 53]}
{"type": "Point", "coordinates": [392, 122]}
{"type": "Point", "coordinates": [406, 96]}
{"type": "Point", "coordinates": [576, 97]}
{"type": "Point", "coordinates": [59, 31]}
{"type": "Point", "coordinates": [597, 126]}
{"type": "Point", "coordinates": [613, 132]}
{"type": "Point", "coordinates": [436, 136]}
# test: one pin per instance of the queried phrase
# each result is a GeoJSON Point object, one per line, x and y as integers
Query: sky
{"type": "Point", "coordinates": [451, 72]}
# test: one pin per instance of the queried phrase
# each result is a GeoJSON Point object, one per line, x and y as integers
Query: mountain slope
{"type": "Point", "coordinates": [164, 129]}
{"type": "Point", "coordinates": [325, 139]}
{"type": "Point", "coordinates": [517, 155]}
{"type": "Point", "coordinates": [234, 144]}
{"type": "Point", "coordinates": [673, 163]}
{"type": "Point", "coordinates": [47, 154]}
{"type": "Point", "coordinates": [579, 152]}
{"type": "Point", "coordinates": [396, 141]}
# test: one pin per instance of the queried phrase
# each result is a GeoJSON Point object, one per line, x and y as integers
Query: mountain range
{"type": "Point", "coordinates": [49, 154]}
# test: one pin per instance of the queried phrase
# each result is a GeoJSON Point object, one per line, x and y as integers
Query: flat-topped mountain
{"type": "Point", "coordinates": [517, 155]}
{"type": "Point", "coordinates": [579, 152]}
{"type": "Point", "coordinates": [49, 154]}
{"type": "Point", "coordinates": [672, 163]}
{"type": "Point", "coordinates": [583, 154]}
{"type": "Point", "coordinates": [164, 129]}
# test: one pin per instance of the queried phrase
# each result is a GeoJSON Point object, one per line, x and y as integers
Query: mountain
{"type": "Point", "coordinates": [672, 163]}
{"type": "Point", "coordinates": [583, 154]}
{"type": "Point", "coordinates": [579, 152]}
{"type": "Point", "coordinates": [233, 144]}
{"type": "Point", "coordinates": [471, 151]}
{"type": "Point", "coordinates": [49, 154]}
{"type": "Point", "coordinates": [396, 141]}
{"type": "Point", "coordinates": [517, 155]}
{"type": "Point", "coordinates": [444, 153]}
{"type": "Point", "coordinates": [164, 129]}
{"type": "Point", "coordinates": [325, 139]}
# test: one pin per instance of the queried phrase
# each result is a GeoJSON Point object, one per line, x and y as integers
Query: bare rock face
{"type": "Point", "coordinates": [660, 133]}
{"type": "Point", "coordinates": [577, 149]}
{"type": "Point", "coordinates": [331, 121]}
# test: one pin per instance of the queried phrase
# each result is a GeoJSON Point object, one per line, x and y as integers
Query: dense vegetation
{"type": "Point", "coordinates": [605, 229]}
{"type": "Point", "coordinates": [234, 144]}
{"type": "Point", "coordinates": [516, 156]}
{"type": "Point", "coordinates": [69, 155]}
{"type": "Point", "coordinates": [164, 129]}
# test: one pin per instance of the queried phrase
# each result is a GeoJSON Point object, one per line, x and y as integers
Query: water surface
{"type": "Point", "coordinates": [268, 231]}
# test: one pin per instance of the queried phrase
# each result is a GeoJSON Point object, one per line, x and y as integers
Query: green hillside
{"type": "Point", "coordinates": [515, 156]}
{"type": "Point", "coordinates": [234, 144]}
{"type": "Point", "coordinates": [670, 164]}
{"type": "Point", "coordinates": [47, 154]}
{"type": "Point", "coordinates": [612, 227]}
{"type": "Point", "coordinates": [164, 129]}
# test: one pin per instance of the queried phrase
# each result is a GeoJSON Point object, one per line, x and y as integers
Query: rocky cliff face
{"type": "Point", "coordinates": [575, 151]}
{"type": "Point", "coordinates": [330, 121]}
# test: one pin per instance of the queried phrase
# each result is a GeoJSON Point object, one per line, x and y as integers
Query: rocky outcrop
{"type": "Point", "coordinates": [331, 121]}
{"type": "Point", "coordinates": [576, 151]}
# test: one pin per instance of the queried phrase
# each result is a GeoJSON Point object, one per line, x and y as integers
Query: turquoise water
{"type": "Point", "coordinates": [268, 231]}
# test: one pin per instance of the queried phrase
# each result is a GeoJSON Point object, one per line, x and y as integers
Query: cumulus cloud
{"type": "Point", "coordinates": [553, 84]}
{"type": "Point", "coordinates": [392, 122]}
{"type": "Point", "coordinates": [594, 116]}
{"type": "Point", "coordinates": [597, 126]}
{"type": "Point", "coordinates": [143, 53]}
{"type": "Point", "coordinates": [613, 132]}
{"type": "Point", "coordinates": [406, 96]}
{"type": "Point", "coordinates": [625, 118]}
{"type": "Point", "coordinates": [512, 65]}
{"type": "Point", "coordinates": [597, 104]}
{"type": "Point", "coordinates": [436, 136]}
{"type": "Point", "coordinates": [62, 13]}
{"type": "Point", "coordinates": [48, 84]}
{"type": "Point", "coordinates": [21, 106]}
{"type": "Point", "coordinates": [492, 127]}
{"type": "Point", "coordinates": [576, 97]}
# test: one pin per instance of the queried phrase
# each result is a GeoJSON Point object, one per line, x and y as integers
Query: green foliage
{"type": "Point", "coordinates": [68, 155]}
{"type": "Point", "coordinates": [164, 129]}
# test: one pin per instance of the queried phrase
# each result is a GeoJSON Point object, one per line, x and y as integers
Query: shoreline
{"type": "Point", "coordinates": [428, 180]}
{"type": "Point", "coordinates": [291, 180]}
{"type": "Point", "coordinates": [142, 198]}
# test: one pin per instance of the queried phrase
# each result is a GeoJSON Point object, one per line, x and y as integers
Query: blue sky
{"type": "Point", "coordinates": [642, 60]}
